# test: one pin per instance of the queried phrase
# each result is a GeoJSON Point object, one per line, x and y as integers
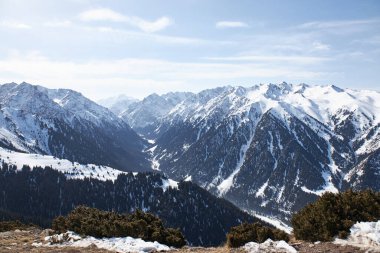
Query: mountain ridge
{"type": "Point", "coordinates": [321, 138]}
{"type": "Point", "coordinates": [65, 124]}
{"type": "Point", "coordinates": [269, 149]}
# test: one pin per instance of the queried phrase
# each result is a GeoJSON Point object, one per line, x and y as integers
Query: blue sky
{"type": "Point", "coordinates": [106, 48]}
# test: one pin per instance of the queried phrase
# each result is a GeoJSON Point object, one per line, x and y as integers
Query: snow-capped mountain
{"type": "Point", "coordinates": [65, 124]}
{"type": "Point", "coordinates": [117, 104]}
{"type": "Point", "coordinates": [142, 116]}
{"type": "Point", "coordinates": [271, 148]}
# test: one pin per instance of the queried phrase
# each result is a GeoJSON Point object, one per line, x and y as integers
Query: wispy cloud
{"type": "Point", "coordinates": [319, 46]}
{"type": "Point", "coordinates": [272, 58]}
{"type": "Point", "coordinates": [105, 14]}
{"type": "Point", "coordinates": [127, 35]}
{"type": "Point", "coordinates": [338, 23]}
{"type": "Point", "coordinates": [230, 24]}
{"type": "Point", "coordinates": [14, 25]}
{"type": "Point", "coordinates": [64, 23]}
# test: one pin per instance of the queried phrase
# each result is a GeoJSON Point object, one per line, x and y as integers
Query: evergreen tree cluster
{"type": "Point", "coordinates": [39, 195]}
{"type": "Point", "coordinates": [255, 232]}
{"type": "Point", "coordinates": [334, 214]}
{"type": "Point", "coordinates": [97, 223]}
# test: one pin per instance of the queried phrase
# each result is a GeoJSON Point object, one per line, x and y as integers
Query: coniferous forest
{"type": "Point", "coordinates": [39, 195]}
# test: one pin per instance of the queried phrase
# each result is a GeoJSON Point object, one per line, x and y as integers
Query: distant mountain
{"type": "Point", "coordinates": [117, 104]}
{"type": "Point", "coordinates": [65, 124]}
{"type": "Point", "coordinates": [43, 194]}
{"type": "Point", "coordinates": [270, 148]}
{"type": "Point", "coordinates": [143, 115]}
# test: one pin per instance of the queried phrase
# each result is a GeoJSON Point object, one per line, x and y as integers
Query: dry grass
{"type": "Point", "coordinates": [21, 241]}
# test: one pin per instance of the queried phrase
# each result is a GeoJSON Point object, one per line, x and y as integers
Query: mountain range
{"type": "Point", "coordinates": [269, 149]}
{"type": "Point", "coordinates": [65, 124]}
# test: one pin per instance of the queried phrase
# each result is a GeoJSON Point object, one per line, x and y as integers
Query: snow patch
{"type": "Point", "coordinates": [260, 192]}
{"type": "Point", "coordinates": [150, 141]}
{"type": "Point", "coordinates": [117, 244]}
{"type": "Point", "coordinates": [155, 164]}
{"type": "Point", "coordinates": [328, 187]}
{"type": "Point", "coordinates": [363, 235]}
{"type": "Point", "coordinates": [274, 221]}
{"type": "Point", "coordinates": [166, 183]}
{"type": "Point", "coordinates": [269, 246]}
{"type": "Point", "coordinates": [185, 147]}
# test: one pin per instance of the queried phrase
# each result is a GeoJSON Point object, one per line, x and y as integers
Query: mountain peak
{"type": "Point", "coordinates": [64, 123]}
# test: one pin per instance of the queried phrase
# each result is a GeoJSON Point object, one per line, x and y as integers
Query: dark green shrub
{"type": "Point", "coordinates": [240, 235]}
{"type": "Point", "coordinates": [13, 225]}
{"type": "Point", "coordinates": [97, 223]}
{"type": "Point", "coordinates": [334, 214]}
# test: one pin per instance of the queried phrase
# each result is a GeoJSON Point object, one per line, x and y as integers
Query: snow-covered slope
{"type": "Point", "coordinates": [65, 124]}
{"type": "Point", "coordinates": [140, 115]}
{"type": "Point", "coordinates": [272, 148]}
{"type": "Point", "coordinates": [70, 169]}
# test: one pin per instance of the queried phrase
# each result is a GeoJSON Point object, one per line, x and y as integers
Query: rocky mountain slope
{"type": "Point", "coordinates": [271, 148]}
{"type": "Point", "coordinates": [143, 115]}
{"type": "Point", "coordinates": [65, 124]}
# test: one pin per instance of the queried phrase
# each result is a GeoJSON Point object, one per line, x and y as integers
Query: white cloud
{"type": "Point", "coordinates": [14, 25]}
{"type": "Point", "coordinates": [104, 14]}
{"type": "Point", "coordinates": [231, 24]}
{"type": "Point", "coordinates": [139, 77]}
{"type": "Point", "coordinates": [148, 26]}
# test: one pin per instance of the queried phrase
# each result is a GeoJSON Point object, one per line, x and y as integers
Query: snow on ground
{"type": "Point", "coordinates": [166, 183]}
{"type": "Point", "coordinates": [328, 187]}
{"type": "Point", "coordinates": [273, 221]}
{"type": "Point", "coordinates": [117, 244]}
{"type": "Point", "coordinates": [261, 190]}
{"type": "Point", "coordinates": [150, 141]}
{"type": "Point", "coordinates": [70, 169]}
{"type": "Point", "coordinates": [363, 235]}
{"type": "Point", "coordinates": [269, 246]}
{"type": "Point", "coordinates": [155, 164]}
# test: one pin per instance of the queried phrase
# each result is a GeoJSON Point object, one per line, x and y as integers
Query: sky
{"type": "Point", "coordinates": [106, 48]}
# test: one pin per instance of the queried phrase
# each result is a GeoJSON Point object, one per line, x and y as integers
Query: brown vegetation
{"type": "Point", "coordinates": [240, 235]}
{"type": "Point", "coordinates": [91, 221]}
